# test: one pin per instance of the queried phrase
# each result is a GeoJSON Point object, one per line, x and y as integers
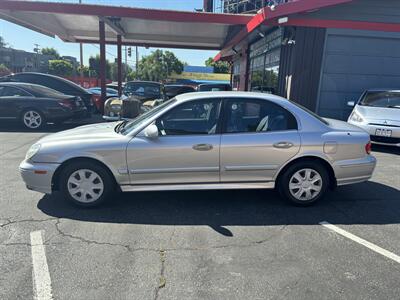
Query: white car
{"type": "Point", "coordinates": [378, 113]}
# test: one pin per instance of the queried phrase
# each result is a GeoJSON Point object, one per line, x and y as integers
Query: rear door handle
{"type": "Point", "coordinates": [202, 147]}
{"type": "Point", "coordinates": [283, 145]}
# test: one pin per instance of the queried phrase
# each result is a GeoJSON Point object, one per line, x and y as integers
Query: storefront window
{"type": "Point", "coordinates": [264, 63]}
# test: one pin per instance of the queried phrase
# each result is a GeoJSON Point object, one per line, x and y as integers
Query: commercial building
{"type": "Point", "coordinates": [23, 61]}
{"type": "Point", "coordinates": [321, 57]}
{"type": "Point", "coordinates": [320, 53]}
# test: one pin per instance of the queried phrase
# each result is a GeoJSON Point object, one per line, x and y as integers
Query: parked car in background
{"type": "Point", "coordinates": [378, 112]}
{"type": "Point", "coordinates": [214, 87]}
{"type": "Point", "coordinates": [215, 140]}
{"type": "Point", "coordinates": [149, 93]}
{"type": "Point", "coordinates": [172, 90]}
{"type": "Point", "coordinates": [97, 101]}
{"type": "Point", "coordinates": [35, 105]}
{"type": "Point", "coordinates": [54, 82]}
{"type": "Point", "coordinates": [114, 85]}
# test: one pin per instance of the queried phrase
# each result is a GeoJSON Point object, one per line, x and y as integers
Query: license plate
{"type": "Point", "coordinates": [383, 132]}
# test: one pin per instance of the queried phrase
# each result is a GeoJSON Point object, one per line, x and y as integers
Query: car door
{"type": "Point", "coordinates": [258, 137]}
{"type": "Point", "coordinates": [186, 150]}
{"type": "Point", "coordinates": [10, 100]}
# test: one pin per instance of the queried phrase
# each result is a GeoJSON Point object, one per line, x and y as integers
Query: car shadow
{"type": "Point", "coordinates": [365, 203]}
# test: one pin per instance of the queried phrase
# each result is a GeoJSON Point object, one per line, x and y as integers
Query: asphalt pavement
{"type": "Point", "coordinates": [245, 244]}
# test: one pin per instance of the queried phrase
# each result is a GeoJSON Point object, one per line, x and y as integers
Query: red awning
{"type": "Point", "coordinates": [137, 26]}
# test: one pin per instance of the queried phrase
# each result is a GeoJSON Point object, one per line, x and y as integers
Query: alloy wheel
{"type": "Point", "coordinates": [32, 119]}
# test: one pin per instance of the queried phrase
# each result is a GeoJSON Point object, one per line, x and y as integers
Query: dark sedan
{"type": "Point", "coordinates": [172, 90]}
{"type": "Point", "coordinates": [53, 82]}
{"type": "Point", "coordinates": [34, 105]}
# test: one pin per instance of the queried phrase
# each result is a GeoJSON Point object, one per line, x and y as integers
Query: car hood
{"type": "Point", "coordinates": [84, 133]}
{"type": "Point", "coordinates": [379, 113]}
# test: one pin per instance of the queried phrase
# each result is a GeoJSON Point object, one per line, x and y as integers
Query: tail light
{"type": "Point", "coordinates": [96, 100]}
{"type": "Point", "coordinates": [368, 148]}
{"type": "Point", "coordinates": [67, 103]}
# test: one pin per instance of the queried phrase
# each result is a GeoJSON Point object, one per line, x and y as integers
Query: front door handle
{"type": "Point", "coordinates": [283, 145]}
{"type": "Point", "coordinates": [202, 147]}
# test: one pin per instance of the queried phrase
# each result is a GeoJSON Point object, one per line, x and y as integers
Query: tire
{"type": "Point", "coordinates": [32, 119]}
{"type": "Point", "coordinates": [304, 183]}
{"type": "Point", "coordinates": [96, 188]}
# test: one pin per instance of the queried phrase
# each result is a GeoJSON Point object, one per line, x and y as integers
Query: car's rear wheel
{"type": "Point", "coordinates": [86, 183]}
{"type": "Point", "coordinates": [32, 119]}
{"type": "Point", "coordinates": [304, 183]}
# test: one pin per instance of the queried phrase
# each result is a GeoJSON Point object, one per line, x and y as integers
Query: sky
{"type": "Point", "coordinates": [21, 38]}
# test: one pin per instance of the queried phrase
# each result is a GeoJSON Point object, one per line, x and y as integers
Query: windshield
{"type": "Point", "coordinates": [137, 122]}
{"type": "Point", "coordinates": [142, 89]}
{"type": "Point", "coordinates": [381, 99]}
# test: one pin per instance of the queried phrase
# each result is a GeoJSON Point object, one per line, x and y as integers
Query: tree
{"type": "Point", "coordinates": [126, 69]}
{"type": "Point", "coordinates": [85, 70]}
{"type": "Point", "coordinates": [94, 65]}
{"type": "Point", "coordinates": [2, 42]}
{"type": "Point", "coordinates": [4, 70]}
{"type": "Point", "coordinates": [158, 66]}
{"type": "Point", "coordinates": [219, 66]}
{"type": "Point", "coordinates": [60, 67]}
{"type": "Point", "coordinates": [50, 51]}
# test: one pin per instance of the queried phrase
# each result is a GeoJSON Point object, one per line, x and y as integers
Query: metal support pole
{"type": "Point", "coordinates": [119, 63]}
{"type": "Point", "coordinates": [81, 54]}
{"type": "Point", "coordinates": [102, 36]}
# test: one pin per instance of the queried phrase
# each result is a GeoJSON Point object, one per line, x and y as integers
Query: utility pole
{"type": "Point", "coordinates": [37, 49]}
{"type": "Point", "coordinates": [137, 59]}
{"type": "Point", "coordinates": [81, 52]}
{"type": "Point", "coordinates": [126, 64]}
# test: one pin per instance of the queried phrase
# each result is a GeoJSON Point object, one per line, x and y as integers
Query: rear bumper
{"type": "Point", "coordinates": [354, 170]}
{"type": "Point", "coordinates": [394, 140]}
{"type": "Point", "coordinates": [38, 176]}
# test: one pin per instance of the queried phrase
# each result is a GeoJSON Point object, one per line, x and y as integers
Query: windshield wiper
{"type": "Point", "coordinates": [393, 106]}
{"type": "Point", "coordinates": [120, 126]}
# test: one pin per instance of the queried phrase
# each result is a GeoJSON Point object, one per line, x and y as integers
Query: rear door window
{"type": "Point", "coordinates": [255, 115]}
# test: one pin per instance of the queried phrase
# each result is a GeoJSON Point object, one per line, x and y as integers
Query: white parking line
{"type": "Point", "coordinates": [361, 241]}
{"type": "Point", "coordinates": [41, 275]}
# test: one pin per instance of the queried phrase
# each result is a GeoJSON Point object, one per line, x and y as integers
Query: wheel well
{"type": "Point", "coordinates": [55, 182]}
{"type": "Point", "coordinates": [30, 108]}
{"type": "Point", "coordinates": [328, 167]}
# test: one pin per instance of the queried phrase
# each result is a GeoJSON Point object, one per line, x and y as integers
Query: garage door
{"type": "Point", "coordinates": [353, 62]}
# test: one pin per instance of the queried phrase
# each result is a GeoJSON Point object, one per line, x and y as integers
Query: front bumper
{"type": "Point", "coordinates": [38, 176]}
{"type": "Point", "coordinates": [354, 170]}
{"type": "Point", "coordinates": [394, 140]}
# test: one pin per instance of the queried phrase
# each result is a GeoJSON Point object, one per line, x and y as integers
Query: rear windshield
{"type": "Point", "coordinates": [381, 99]}
{"type": "Point", "coordinates": [311, 113]}
{"type": "Point", "coordinates": [41, 91]}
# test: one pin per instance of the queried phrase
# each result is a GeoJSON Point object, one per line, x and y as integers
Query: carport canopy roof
{"type": "Point", "coordinates": [137, 26]}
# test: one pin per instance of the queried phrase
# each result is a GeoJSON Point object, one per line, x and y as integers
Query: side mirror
{"type": "Point", "coordinates": [351, 103]}
{"type": "Point", "coordinates": [151, 131]}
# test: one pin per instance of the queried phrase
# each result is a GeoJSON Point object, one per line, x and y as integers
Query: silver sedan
{"type": "Point", "coordinates": [196, 141]}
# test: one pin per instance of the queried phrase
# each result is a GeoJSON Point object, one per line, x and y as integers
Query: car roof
{"type": "Point", "coordinates": [144, 81]}
{"type": "Point", "coordinates": [226, 94]}
{"type": "Point", "coordinates": [66, 81]}
{"type": "Point", "coordinates": [383, 90]}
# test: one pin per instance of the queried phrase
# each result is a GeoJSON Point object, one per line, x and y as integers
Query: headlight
{"type": "Point", "coordinates": [116, 106]}
{"type": "Point", "coordinates": [356, 117]}
{"type": "Point", "coordinates": [32, 151]}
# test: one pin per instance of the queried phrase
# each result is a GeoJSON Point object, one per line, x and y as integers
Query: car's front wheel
{"type": "Point", "coordinates": [86, 183]}
{"type": "Point", "coordinates": [304, 183]}
{"type": "Point", "coordinates": [32, 119]}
